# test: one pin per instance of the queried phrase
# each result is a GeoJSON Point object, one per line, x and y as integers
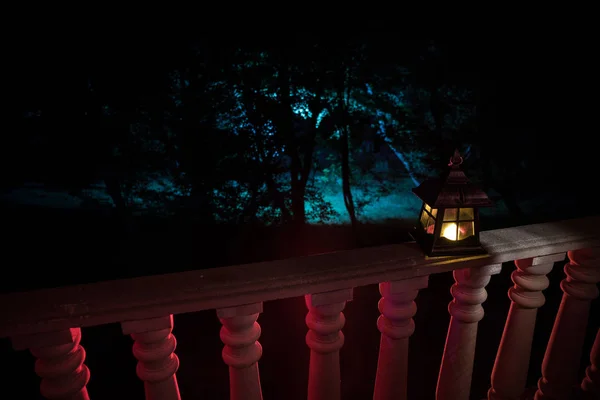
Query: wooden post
{"type": "Point", "coordinates": [240, 333]}
{"type": "Point", "coordinates": [397, 308]}
{"type": "Point", "coordinates": [154, 348]}
{"type": "Point", "coordinates": [59, 363]}
{"type": "Point", "coordinates": [325, 321]}
{"type": "Point", "coordinates": [456, 371]}
{"type": "Point", "coordinates": [509, 375]}
{"type": "Point", "coordinates": [563, 353]}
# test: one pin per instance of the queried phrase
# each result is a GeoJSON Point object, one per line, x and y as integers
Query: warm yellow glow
{"type": "Point", "coordinates": [450, 231]}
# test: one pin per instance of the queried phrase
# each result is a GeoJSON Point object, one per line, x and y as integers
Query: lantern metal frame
{"type": "Point", "coordinates": [451, 191]}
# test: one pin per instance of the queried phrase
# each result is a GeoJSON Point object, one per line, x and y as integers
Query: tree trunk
{"type": "Point", "coordinates": [278, 198]}
{"type": "Point", "coordinates": [345, 153]}
{"type": "Point", "coordinates": [346, 190]}
{"type": "Point", "coordinates": [123, 213]}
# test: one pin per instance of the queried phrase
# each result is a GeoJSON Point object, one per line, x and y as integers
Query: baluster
{"type": "Point", "coordinates": [154, 348]}
{"type": "Point", "coordinates": [563, 352]}
{"type": "Point", "coordinates": [59, 363]}
{"type": "Point", "coordinates": [397, 308]}
{"type": "Point", "coordinates": [456, 370]}
{"type": "Point", "coordinates": [325, 321]}
{"type": "Point", "coordinates": [591, 382]}
{"type": "Point", "coordinates": [509, 375]}
{"type": "Point", "coordinates": [240, 333]}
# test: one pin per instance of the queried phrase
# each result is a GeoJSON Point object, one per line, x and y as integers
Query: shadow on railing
{"type": "Point", "coordinates": [48, 322]}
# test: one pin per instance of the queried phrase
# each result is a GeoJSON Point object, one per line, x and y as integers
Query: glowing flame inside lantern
{"type": "Point", "coordinates": [450, 231]}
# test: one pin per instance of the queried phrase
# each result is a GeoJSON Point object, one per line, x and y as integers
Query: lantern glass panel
{"type": "Point", "coordinates": [427, 219]}
{"type": "Point", "coordinates": [424, 218]}
{"type": "Point", "coordinates": [466, 229]}
{"type": "Point", "coordinates": [450, 214]}
{"type": "Point", "coordinates": [465, 214]}
{"type": "Point", "coordinates": [449, 230]}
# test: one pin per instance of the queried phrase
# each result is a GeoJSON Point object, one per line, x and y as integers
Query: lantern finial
{"type": "Point", "coordinates": [456, 159]}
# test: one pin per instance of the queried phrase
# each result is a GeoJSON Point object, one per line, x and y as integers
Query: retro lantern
{"type": "Point", "coordinates": [449, 219]}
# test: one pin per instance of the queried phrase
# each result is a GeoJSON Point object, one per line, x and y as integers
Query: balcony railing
{"type": "Point", "coordinates": [48, 322]}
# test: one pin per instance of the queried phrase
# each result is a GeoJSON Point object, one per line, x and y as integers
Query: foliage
{"type": "Point", "coordinates": [254, 133]}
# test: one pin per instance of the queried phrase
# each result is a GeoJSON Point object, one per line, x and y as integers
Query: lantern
{"type": "Point", "coordinates": [449, 219]}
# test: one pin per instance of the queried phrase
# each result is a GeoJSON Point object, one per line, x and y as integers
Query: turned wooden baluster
{"type": "Point", "coordinates": [509, 375]}
{"type": "Point", "coordinates": [397, 307]}
{"type": "Point", "coordinates": [563, 352]}
{"type": "Point", "coordinates": [59, 363]}
{"type": "Point", "coordinates": [154, 348]}
{"type": "Point", "coordinates": [456, 371]}
{"type": "Point", "coordinates": [240, 333]}
{"type": "Point", "coordinates": [591, 382]}
{"type": "Point", "coordinates": [325, 321]}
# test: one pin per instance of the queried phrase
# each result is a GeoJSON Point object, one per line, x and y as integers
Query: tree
{"type": "Point", "coordinates": [273, 103]}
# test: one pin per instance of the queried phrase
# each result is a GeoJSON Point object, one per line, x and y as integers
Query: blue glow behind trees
{"type": "Point", "coordinates": [243, 166]}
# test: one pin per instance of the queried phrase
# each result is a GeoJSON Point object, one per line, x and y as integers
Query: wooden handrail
{"type": "Point", "coordinates": [147, 297]}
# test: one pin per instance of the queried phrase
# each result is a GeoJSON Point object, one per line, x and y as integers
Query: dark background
{"type": "Point", "coordinates": [532, 125]}
{"type": "Point", "coordinates": [529, 95]}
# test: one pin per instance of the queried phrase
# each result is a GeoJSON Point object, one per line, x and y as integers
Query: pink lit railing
{"type": "Point", "coordinates": [48, 322]}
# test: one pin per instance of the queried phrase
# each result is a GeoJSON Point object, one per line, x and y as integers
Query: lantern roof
{"type": "Point", "coordinates": [453, 189]}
